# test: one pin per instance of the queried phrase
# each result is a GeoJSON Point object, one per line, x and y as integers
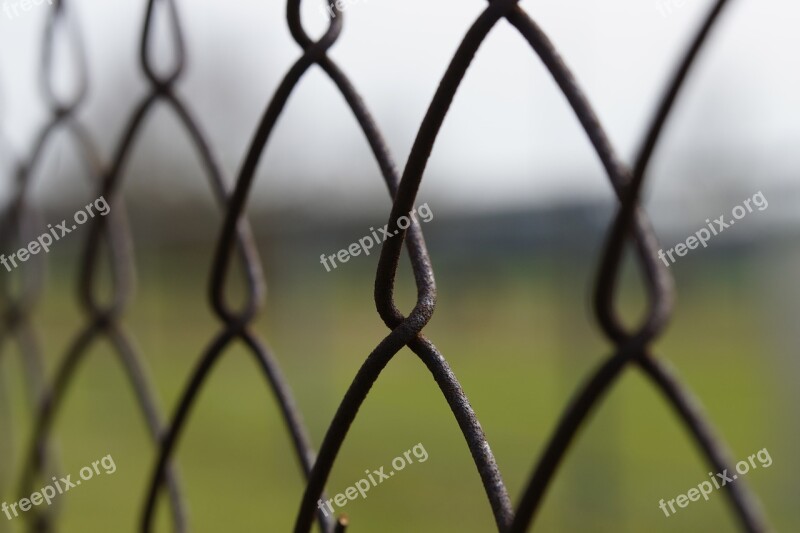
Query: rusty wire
{"type": "Point", "coordinates": [104, 319]}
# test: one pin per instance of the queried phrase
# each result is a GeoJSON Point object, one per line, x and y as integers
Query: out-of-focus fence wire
{"type": "Point", "coordinates": [110, 235]}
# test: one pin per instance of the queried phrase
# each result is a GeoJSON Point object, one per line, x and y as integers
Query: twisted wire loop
{"type": "Point", "coordinates": [405, 331]}
{"type": "Point", "coordinates": [236, 325]}
{"type": "Point", "coordinates": [18, 305]}
{"type": "Point", "coordinates": [21, 225]}
{"type": "Point", "coordinates": [238, 242]}
{"type": "Point", "coordinates": [634, 346]}
{"type": "Point", "coordinates": [630, 220]}
{"type": "Point", "coordinates": [112, 233]}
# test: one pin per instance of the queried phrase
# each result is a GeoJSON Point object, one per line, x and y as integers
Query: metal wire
{"type": "Point", "coordinates": [104, 319]}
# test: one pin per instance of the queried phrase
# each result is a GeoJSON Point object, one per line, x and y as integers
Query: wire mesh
{"type": "Point", "coordinates": [103, 319]}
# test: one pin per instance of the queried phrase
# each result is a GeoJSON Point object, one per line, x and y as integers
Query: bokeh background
{"type": "Point", "coordinates": [521, 207]}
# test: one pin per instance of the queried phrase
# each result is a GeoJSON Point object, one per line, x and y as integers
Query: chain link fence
{"type": "Point", "coordinates": [107, 254]}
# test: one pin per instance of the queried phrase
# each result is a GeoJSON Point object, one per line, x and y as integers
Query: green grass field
{"type": "Point", "coordinates": [520, 338]}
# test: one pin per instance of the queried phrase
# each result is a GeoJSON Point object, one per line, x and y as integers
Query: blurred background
{"type": "Point", "coordinates": [521, 208]}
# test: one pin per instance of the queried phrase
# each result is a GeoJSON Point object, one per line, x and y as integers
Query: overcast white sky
{"type": "Point", "coordinates": [509, 127]}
